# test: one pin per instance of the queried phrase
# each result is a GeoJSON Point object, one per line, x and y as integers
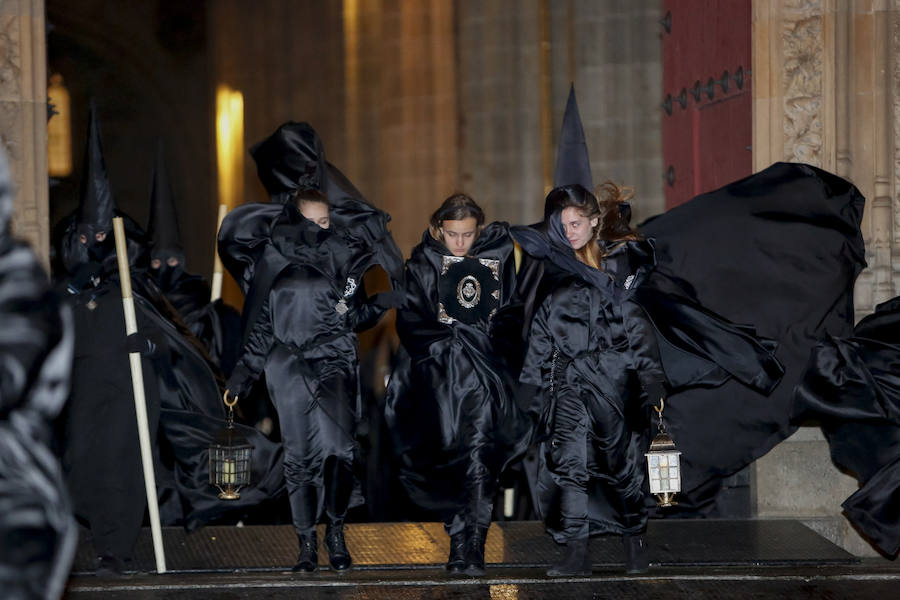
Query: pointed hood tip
{"type": "Point", "coordinates": [573, 164]}
{"type": "Point", "coordinates": [162, 225]}
{"type": "Point", "coordinates": [96, 205]}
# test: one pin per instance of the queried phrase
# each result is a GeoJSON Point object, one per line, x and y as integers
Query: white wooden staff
{"type": "Point", "coordinates": [216, 291]}
{"type": "Point", "coordinates": [140, 405]}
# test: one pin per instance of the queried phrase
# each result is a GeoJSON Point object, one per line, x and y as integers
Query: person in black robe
{"type": "Point", "coordinates": [37, 531]}
{"type": "Point", "coordinates": [450, 402]}
{"type": "Point", "coordinates": [600, 350]}
{"type": "Point", "coordinates": [305, 301]}
{"type": "Point", "coordinates": [100, 451]}
{"type": "Point", "coordinates": [215, 324]}
{"type": "Point", "coordinates": [852, 388]}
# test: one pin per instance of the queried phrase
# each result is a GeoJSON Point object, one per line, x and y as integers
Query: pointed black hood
{"type": "Point", "coordinates": [572, 162]}
{"type": "Point", "coordinates": [96, 208]}
{"type": "Point", "coordinates": [162, 227]}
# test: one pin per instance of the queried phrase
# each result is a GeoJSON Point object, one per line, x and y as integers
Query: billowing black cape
{"type": "Point", "coordinates": [852, 388]}
{"type": "Point", "coordinates": [447, 376]}
{"type": "Point", "coordinates": [780, 250]}
{"type": "Point", "coordinates": [37, 531]}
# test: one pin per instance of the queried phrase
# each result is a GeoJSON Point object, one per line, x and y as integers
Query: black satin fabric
{"type": "Point", "coordinates": [37, 531]}
{"type": "Point", "coordinates": [215, 324]}
{"type": "Point", "coordinates": [450, 403]}
{"type": "Point", "coordinates": [604, 324]}
{"type": "Point", "coordinates": [591, 351]}
{"type": "Point", "coordinates": [852, 388]}
{"type": "Point", "coordinates": [780, 250]}
{"type": "Point", "coordinates": [305, 345]}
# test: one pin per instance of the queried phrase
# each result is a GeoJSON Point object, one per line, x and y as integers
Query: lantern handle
{"type": "Point", "coordinates": [659, 409]}
{"type": "Point", "coordinates": [229, 403]}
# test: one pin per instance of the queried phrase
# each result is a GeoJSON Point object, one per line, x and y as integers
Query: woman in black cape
{"type": "Point", "coordinates": [600, 359]}
{"type": "Point", "coordinates": [305, 301]}
{"type": "Point", "coordinates": [450, 402]}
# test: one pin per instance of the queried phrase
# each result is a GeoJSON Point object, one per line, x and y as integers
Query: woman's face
{"type": "Point", "coordinates": [579, 228]}
{"type": "Point", "coordinates": [317, 212]}
{"type": "Point", "coordinates": [460, 235]}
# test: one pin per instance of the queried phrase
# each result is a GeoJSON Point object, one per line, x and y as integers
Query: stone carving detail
{"type": "Point", "coordinates": [803, 71]}
{"type": "Point", "coordinates": [894, 90]}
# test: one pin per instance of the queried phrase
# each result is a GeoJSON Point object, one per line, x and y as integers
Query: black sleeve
{"type": "Point", "coordinates": [254, 353]}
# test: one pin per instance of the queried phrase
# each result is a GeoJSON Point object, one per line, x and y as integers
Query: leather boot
{"type": "Point", "coordinates": [576, 562]}
{"type": "Point", "coordinates": [475, 551]}
{"type": "Point", "coordinates": [308, 559]}
{"type": "Point", "coordinates": [338, 555]}
{"type": "Point", "coordinates": [636, 558]}
{"type": "Point", "coordinates": [456, 563]}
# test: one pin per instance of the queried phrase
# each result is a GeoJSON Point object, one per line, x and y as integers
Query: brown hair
{"type": "Point", "coordinates": [455, 208]}
{"type": "Point", "coordinates": [615, 213]}
{"type": "Point", "coordinates": [302, 196]}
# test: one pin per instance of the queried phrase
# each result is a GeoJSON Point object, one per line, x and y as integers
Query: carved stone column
{"type": "Point", "coordinates": [827, 92]}
{"type": "Point", "coordinates": [23, 116]}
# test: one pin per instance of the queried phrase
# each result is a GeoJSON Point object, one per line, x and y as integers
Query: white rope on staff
{"type": "Point", "coordinates": [216, 288]}
{"type": "Point", "coordinates": [140, 405]}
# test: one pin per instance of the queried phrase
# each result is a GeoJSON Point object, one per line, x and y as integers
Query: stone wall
{"type": "Point", "coordinates": [23, 116]}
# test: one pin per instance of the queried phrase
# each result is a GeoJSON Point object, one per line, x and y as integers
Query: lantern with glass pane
{"type": "Point", "coordinates": [663, 463]}
{"type": "Point", "coordinates": [229, 458]}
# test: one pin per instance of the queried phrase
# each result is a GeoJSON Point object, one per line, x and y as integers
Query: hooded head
{"type": "Point", "coordinates": [167, 254]}
{"type": "Point", "coordinates": [292, 158]}
{"type": "Point", "coordinates": [88, 238]}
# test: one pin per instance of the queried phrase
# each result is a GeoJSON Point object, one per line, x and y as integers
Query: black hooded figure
{"type": "Point", "coordinates": [100, 452]}
{"type": "Point", "coordinates": [215, 324]}
{"type": "Point", "coordinates": [37, 531]}
{"type": "Point", "coordinates": [451, 403]}
{"type": "Point", "coordinates": [600, 360]}
{"type": "Point", "coordinates": [301, 267]}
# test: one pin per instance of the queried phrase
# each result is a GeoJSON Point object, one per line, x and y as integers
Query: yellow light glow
{"type": "Point", "coordinates": [230, 145]}
{"type": "Point", "coordinates": [59, 129]}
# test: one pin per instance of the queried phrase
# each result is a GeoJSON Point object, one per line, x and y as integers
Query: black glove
{"type": "Point", "coordinates": [240, 383]}
{"type": "Point", "coordinates": [137, 342]}
{"type": "Point", "coordinates": [655, 390]}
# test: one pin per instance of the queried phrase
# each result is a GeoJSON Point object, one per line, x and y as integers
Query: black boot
{"type": "Point", "coordinates": [576, 562]}
{"type": "Point", "coordinates": [338, 555]}
{"type": "Point", "coordinates": [456, 563]}
{"type": "Point", "coordinates": [475, 551]}
{"type": "Point", "coordinates": [636, 559]}
{"type": "Point", "coordinates": [308, 559]}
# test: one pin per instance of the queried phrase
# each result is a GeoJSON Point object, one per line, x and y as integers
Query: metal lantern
{"type": "Point", "coordinates": [229, 458]}
{"type": "Point", "coordinates": [663, 463]}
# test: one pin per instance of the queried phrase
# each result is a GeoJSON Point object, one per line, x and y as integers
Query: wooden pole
{"type": "Point", "coordinates": [216, 288]}
{"type": "Point", "coordinates": [140, 405]}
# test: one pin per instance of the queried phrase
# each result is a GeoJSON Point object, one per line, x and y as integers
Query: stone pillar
{"type": "Point", "coordinates": [827, 92]}
{"type": "Point", "coordinates": [23, 116]}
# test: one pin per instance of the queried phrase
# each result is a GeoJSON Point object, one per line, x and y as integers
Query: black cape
{"type": "Point", "coordinates": [852, 388]}
{"type": "Point", "coordinates": [446, 377]}
{"type": "Point", "coordinates": [781, 250]}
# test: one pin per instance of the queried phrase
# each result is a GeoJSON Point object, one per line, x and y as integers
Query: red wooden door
{"type": "Point", "coordinates": [707, 111]}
